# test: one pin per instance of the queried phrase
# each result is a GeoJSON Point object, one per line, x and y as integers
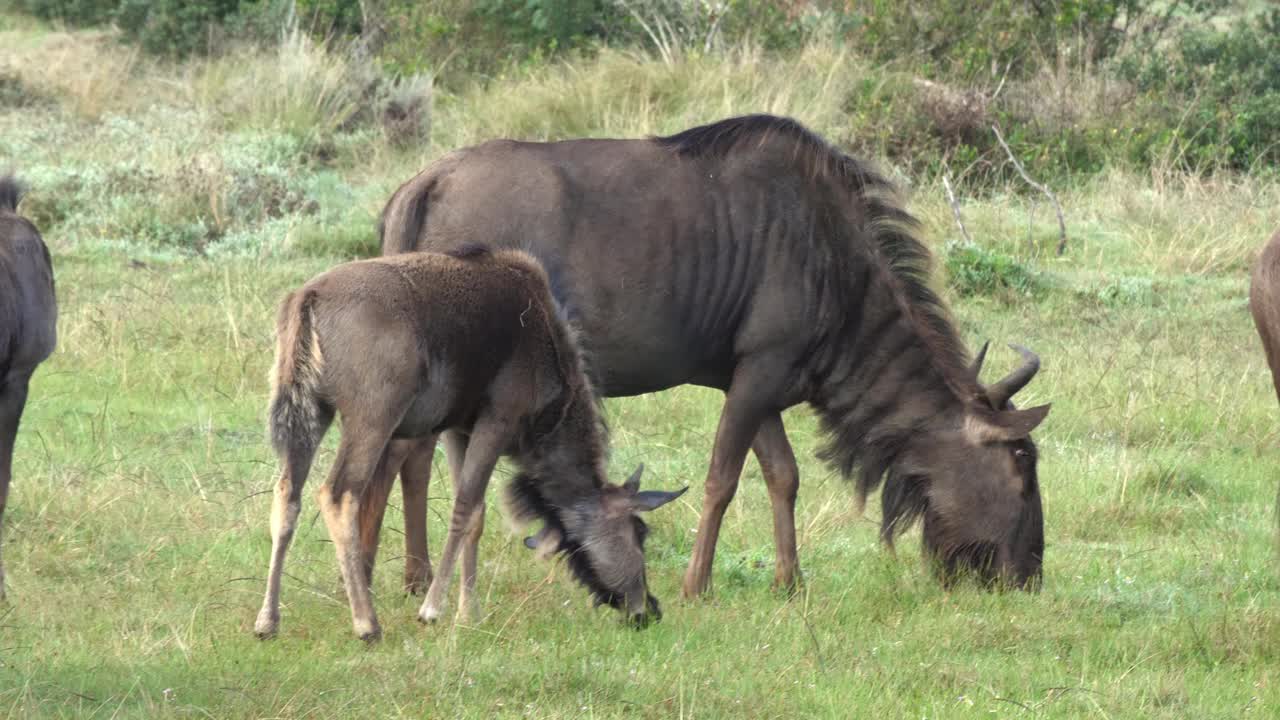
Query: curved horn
{"type": "Point", "coordinates": [633, 482]}
{"type": "Point", "coordinates": [976, 367]}
{"type": "Point", "coordinates": [999, 393]}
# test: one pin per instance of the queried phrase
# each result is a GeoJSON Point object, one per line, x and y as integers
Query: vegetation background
{"type": "Point", "coordinates": [192, 161]}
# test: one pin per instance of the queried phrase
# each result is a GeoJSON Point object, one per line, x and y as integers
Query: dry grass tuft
{"type": "Point", "coordinates": [90, 71]}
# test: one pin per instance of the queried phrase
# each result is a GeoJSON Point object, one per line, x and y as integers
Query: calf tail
{"type": "Point", "coordinates": [298, 414]}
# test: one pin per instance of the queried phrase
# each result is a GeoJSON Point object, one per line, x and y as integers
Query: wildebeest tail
{"type": "Point", "coordinates": [10, 193]}
{"type": "Point", "coordinates": [405, 214]}
{"type": "Point", "coordinates": [298, 410]}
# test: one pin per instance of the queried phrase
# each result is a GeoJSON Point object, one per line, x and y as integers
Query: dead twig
{"type": "Point", "coordinates": [1057, 208]}
{"type": "Point", "coordinates": [955, 208]}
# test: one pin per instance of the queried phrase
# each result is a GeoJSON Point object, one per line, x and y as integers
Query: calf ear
{"type": "Point", "coordinates": [654, 499]}
{"type": "Point", "coordinates": [985, 426]}
{"type": "Point", "coordinates": [633, 483]}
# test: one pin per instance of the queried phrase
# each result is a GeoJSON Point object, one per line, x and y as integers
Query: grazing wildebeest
{"type": "Point", "coordinates": [28, 323]}
{"type": "Point", "coordinates": [1264, 303]}
{"type": "Point", "coordinates": [406, 347]}
{"type": "Point", "coordinates": [752, 257]}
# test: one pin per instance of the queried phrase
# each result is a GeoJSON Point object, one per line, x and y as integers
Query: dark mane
{"type": "Point", "coordinates": [526, 503]}
{"type": "Point", "coordinates": [11, 192]}
{"type": "Point", "coordinates": [889, 227]}
{"type": "Point", "coordinates": [888, 236]}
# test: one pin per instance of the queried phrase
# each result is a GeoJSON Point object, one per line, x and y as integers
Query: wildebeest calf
{"type": "Point", "coordinates": [470, 342]}
{"type": "Point", "coordinates": [28, 319]}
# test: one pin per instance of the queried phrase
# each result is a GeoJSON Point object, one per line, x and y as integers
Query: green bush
{"type": "Point", "coordinates": [975, 270]}
{"type": "Point", "coordinates": [1221, 92]}
{"type": "Point", "coordinates": [72, 12]}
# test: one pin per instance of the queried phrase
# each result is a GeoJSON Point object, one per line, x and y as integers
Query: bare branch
{"type": "Point", "coordinates": [1057, 208]}
{"type": "Point", "coordinates": [955, 208]}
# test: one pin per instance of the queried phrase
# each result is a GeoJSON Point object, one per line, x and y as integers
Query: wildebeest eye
{"type": "Point", "coordinates": [1021, 452]}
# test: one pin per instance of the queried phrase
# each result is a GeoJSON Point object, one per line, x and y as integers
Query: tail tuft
{"type": "Point", "coordinates": [297, 416]}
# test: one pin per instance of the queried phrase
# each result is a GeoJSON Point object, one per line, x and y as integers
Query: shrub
{"type": "Point", "coordinates": [975, 270]}
{"type": "Point", "coordinates": [1221, 92]}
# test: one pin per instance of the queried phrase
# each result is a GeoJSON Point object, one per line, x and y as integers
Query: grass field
{"type": "Point", "coordinates": [136, 536]}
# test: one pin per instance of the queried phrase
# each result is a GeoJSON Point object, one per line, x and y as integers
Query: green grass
{"type": "Point", "coordinates": [136, 536]}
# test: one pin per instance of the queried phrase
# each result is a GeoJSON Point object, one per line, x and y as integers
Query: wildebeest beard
{"type": "Point", "coordinates": [527, 503]}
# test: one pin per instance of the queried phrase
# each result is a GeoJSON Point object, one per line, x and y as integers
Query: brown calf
{"type": "Point", "coordinates": [471, 343]}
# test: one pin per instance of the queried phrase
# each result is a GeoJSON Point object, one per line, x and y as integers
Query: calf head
{"type": "Point", "coordinates": [602, 538]}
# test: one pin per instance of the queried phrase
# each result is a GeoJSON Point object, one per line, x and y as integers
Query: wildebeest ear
{"type": "Point", "coordinates": [654, 499]}
{"type": "Point", "coordinates": [986, 426]}
{"type": "Point", "coordinates": [545, 543]}
{"type": "Point", "coordinates": [633, 482]}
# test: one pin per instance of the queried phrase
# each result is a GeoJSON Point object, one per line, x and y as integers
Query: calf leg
{"type": "Point", "coordinates": [415, 477]}
{"type": "Point", "coordinates": [13, 397]}
{"type": "Point", "coordinates": [362, 450]}
{"type": "Point", "coordinates": [468, 608]}
{"type": "Point", "coordinates": [749, 400]}
{"type": "Point", "coordinates": [488, 438]}
{"type": "Point", "coordinates": [782, 478]}
{"type": "Point", "coordinates": [373, 508]}
{"type": "Point", "coordinates": [284, 520]}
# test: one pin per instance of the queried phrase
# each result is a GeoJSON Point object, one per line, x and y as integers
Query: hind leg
{"type": "Point", "coordinates": [284, 520]}
{"type": "Point", "coordinates": [415, 477]}
{"type": "Point", "coordinates": [360, 454]}
{"type": "Point", "coordinates": [13, 397]}
{"type": "Point", "coordinates": [373, 508]}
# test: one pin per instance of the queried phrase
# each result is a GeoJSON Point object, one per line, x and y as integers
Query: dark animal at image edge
{"type": "Point", "coordinates": [750, 256]}
{"type": "Point", "coordinates": [28, 325]}
{"type": "Point", "coordinates": [470, 345]}
{"type": "Point", "coordinates": [1264, 305]}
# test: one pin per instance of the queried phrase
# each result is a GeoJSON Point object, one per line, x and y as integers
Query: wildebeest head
{"type": "Point", "coordinates": [602, 539]}
{"type": "Point", "coordinates": [974, 484]}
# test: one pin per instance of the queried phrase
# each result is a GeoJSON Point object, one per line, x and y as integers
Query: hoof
{"type": "Point", "coordinates": [417, 585]}
{"type": "Point", "coordinates": [370, 633]}
{"type": "Point", "coordinates": [266, 625]}
{"type": "Point", "coordinates": [428, 615]}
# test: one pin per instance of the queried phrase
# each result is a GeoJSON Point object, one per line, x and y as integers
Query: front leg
{"type": "Point", "coordinates": [782, 478]}
{"type": "Point", "coordinates": [750, 399]}
{"type": "Point", "coordinates": [489, 437]}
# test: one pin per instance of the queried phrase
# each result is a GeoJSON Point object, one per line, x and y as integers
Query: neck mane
{"type": "Point", "coordinates": [892, 362]}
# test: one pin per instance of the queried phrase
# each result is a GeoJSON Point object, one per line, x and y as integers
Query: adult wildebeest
{"type": "Point", "coordinates": [406, 347]}
{"type": "Point", "coordinates": [1264, 304]}
{"type": "Point", "coordinates": [28, 322]}
{"type": "Point", "coordinates": [750, 256]}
